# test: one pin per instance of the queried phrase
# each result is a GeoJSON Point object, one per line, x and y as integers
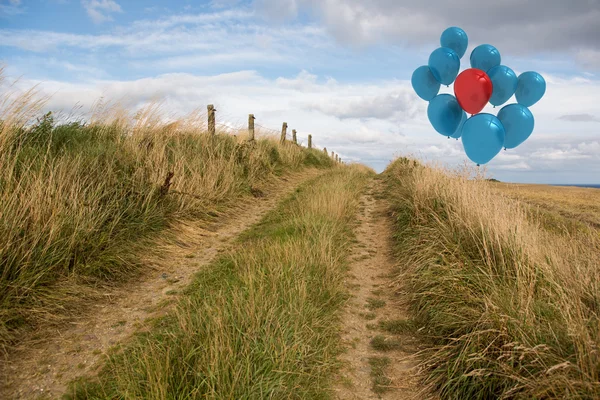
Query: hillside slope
{"type": "Point", "coordinates": [80, 201]}
{"type": "Point", "coordinates": [508, 303]}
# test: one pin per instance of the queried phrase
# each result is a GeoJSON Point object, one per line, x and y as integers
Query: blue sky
{"type": "Point", "coordinates": [337, 69]}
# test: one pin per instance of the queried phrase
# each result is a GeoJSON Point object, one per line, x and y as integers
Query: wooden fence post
{"type": "Point", "coordinates": [325, 150]}
{"type": "Point", "coordinates": [294, 136]}
{"type": "Point", "coordinates": [310, 141]}
{"type": "Point", "coordinates": [332, 154]}
{"type": "Point", "coordinates": [211, 119]}
{"type": "Point", "coordinates": [251, 127]}
{"type": "Point", "coordinates": [336, 158]}
{"type": "Point", "coordinates": [283, 132]}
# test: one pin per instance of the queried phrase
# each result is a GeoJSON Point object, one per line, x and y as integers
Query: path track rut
{"type": "Point", "coordinates": [43, 368]}
{"type": "Point", "coordinates": [375, 299]}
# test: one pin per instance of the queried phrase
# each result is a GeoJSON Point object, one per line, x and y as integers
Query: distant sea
{"type": "Point", "coordinates": [595, 186]}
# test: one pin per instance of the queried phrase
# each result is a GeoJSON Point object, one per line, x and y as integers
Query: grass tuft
{"type": "Point", "coordinates": [380, 381]}
{"type": "Point", "coordinates": [374, 304]}
{"type": "Point", "coordinates": [397, 326]}
{"type": "Point", "coordinates": [382, 343]}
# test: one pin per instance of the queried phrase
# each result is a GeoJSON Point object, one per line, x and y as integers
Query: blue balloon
{"type": "Point", "coordinates": [485, 57]}
{"type": "Point", "coordinates": [444, 65]}
{"type": "Point", "coordinates": [504, 83]}
{"type": "Point", "coordinates": [456, 39]}
{"type": "Point", "coordinates": [445, 114]}
{"type": "Point", "coordinates": [531, 88]}
{"type": "Point", "coordinates": [518, 124]}
{"type": "Point", "coordinates": [424, 83]}
{"type": "Point", "coordinates": [483, 137]}
{"type": "Point", "coordinates": [458, 132]}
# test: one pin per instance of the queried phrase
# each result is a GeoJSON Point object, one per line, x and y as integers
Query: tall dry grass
{"type": "Point", "coordinates": [511, 309]}
{"type": "Point", "coordinates": [574, 203]}
{"type": "Point", "coordinates": [78, 198]}
{"type": "Point", "coordinates": [258, 323]}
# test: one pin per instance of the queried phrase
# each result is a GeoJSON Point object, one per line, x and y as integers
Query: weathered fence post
{"type": "Point", "coordinates": [283, 132]}
{"type": "Point", "coordinates": [251, 127]}
{"type": "Point", "coordinates": [211, 119]}
{"type": "Point", "coordinates": [337, 158]}
{"type": "Point", "coordinates": [332, 154]}
{"type": "Point", "coordinates": [294, 136]}
{"type": "Point", "coordinates": [310, 141]}
{"type": "Point", "coordinates": [325, 150]}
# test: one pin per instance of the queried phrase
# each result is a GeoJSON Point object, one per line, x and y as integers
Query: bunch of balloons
{"type": "Point", "coordinates": [483, 135]}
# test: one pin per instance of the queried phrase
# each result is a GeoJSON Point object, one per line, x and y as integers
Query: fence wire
{"type": "Point", "coordinates": [238, 129]}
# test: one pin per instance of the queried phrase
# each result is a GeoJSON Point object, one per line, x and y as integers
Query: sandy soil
{"type": "Point", "coordinates": [374, 299]}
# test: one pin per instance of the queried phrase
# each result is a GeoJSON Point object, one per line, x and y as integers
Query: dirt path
{"type": "Point", "coordinates": [42, 369]}
{"type": "Point", "coordinates": [380, 359]}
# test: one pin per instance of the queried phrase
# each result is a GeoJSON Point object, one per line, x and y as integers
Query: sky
{"type": "Point", "coordinates": [337, 69]}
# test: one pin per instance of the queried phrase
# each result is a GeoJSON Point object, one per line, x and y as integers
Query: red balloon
{"type": "Point", "coordinates": [473, 89]}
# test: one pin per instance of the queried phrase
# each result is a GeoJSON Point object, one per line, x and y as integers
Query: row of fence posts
{"type": "Point", "coordinates": [251, 118]}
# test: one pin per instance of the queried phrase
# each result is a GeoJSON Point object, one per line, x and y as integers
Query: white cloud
{"type": "Point", "coordinates": [304, 81]}
{"type": "Point", "coordinates": [394, 106]}
{"type": "Point", "coordinates": [194, 19]}
{"type": "Point", "coordinates": [100, 10]}
{"type": "Point", "coordinates": [224, 3]}
{"type": "Point", "coordinates": [591, 148]}
{"type": "Point", "coordinates": [580, 118]}
{"type": "Point", "coordinates": [186, 41]}
{"type": "Point", "coordinates": [12, 8]}
{"type": "Point", "coordinates": [526, 27]}
{"type": "Point", "coordinates": [556, 154]}
{"type": "Point", "coordinates": [340, 123]}
{"type": "Point", "coordinates": [279, 11]}
{"type": "Point", "coordinates": [519, 166]}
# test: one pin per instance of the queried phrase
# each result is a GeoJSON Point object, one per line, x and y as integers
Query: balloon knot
{"type": "Point", "coordinates": [505, 149]}
{"type": "Point", "coordinates": [478, 165]}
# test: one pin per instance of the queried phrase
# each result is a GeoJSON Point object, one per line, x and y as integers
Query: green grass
{"type": "Point", "coordinates": [382, 343]}
{"type": "Point", "coordinates": [397, 326]}
{"type": "Point", "coordinates": [369, 316]}
{"type": "Point", "coordinates": [507, 306]}
{"type": "Point", "coordinates": [374, 304]}
{"type": "Point", "coordinates": [260, 322]}
{"type": "Point", "coordinates": [380, 382]}
{"type": "Point", "coordinates": [78, 201]}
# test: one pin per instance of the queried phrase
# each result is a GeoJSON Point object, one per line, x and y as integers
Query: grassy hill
{"type": "Point", "coordinates": [78, 200]}
{"type": "Point", "coordinates": [507, 297]}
